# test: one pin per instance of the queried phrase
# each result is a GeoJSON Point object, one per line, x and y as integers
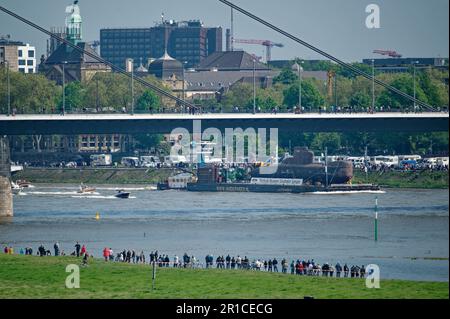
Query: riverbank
{"type": "Point", "coordinates": [44, 277]}
{"type": "Point", "coordinates": [406, 179]}
{"type": "Point", "coordinates": [114, 176]}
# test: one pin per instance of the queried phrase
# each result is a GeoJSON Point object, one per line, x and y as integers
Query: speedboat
{"type": "Point", "coordinates": [84, 189]}
{"type": "Point", "coordinates": [15, 188]}
{"type": "Point", "coordinates": [122, 194]}
{"type": "Point", "coordinates": [23, 183]}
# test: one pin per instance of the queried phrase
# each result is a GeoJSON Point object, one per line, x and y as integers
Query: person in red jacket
{"type": "Point", "coordinates": [83, 250]}
{"type": "Point", "coordinates": [106, 253]}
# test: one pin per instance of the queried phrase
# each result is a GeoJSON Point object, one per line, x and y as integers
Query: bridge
{"type": "Point", "coordinates": [164, 123]}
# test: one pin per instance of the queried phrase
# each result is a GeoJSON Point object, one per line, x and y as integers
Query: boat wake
{"type": "Point", "coordinates": [127, 188]}
{"type": "Point", "coordinates": [58, 193]}
{"type": "Point", "coordinates": [99, 197]}
{"type": "Point", "coordinates": [348, 192]}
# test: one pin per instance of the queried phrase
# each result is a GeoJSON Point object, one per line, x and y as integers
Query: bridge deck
{"type": "Point", "coordinates": [165, 123]}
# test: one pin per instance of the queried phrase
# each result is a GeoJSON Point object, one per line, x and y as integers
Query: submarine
{"type": "Point", "coordinates": [294, 174]}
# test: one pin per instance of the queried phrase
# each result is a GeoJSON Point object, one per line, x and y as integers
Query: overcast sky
{"type": "Point", "coordinates": [414, 28]}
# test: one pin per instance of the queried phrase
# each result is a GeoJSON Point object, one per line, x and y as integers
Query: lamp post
{"type": "Point", "coordinates": [373, 86]}
{"type": "Point", "coordinates": [254, 85]}
{"type": "Point", "coordinates": [97, 100]}
{"type": "Point", "coordinates": [132, 88]}
{"type": "Point", "coordinates": [297, 67]}
{"type": "Point", "coordinates": [64, 86]}
{"type": "Point", "coordinates": [184, 88]}
{"type": "Point", "coordinates": [9, 87]}
{"type": "Point", "coordinates": [335, 90]}
{"type": "Point", "coordinates": [414, 84]}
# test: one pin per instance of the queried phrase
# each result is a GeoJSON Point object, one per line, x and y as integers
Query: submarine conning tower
{"type": "Point", "coordinates": [301, 156]}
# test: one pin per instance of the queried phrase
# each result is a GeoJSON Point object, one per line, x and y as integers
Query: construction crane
{"type": "Point", "coordinates": [267, 43]}
{"type": "Point", "coordinates": [391, 53]}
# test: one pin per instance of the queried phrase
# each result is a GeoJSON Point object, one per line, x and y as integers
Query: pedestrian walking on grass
{"type": "Point", "coordinates": [77, 249]}
{"type": "Point", "coordinates": [56, 248]}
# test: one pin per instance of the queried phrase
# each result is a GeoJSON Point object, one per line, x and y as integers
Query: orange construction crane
{"type": "Point", "coordinates": [267, 43]}
{"type": "Point", "coordinates": [391, 53]}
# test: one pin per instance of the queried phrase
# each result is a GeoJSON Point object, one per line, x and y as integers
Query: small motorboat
{"type": "Point", "coordinates": [23, 183]}
{"type": "Point", "coordinates": [122, 194]}
{"type": "Point", "coordinates": [84, 189]}
{"type": "Point", "coordinates": [15, 188]}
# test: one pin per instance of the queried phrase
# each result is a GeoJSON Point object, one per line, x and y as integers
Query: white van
{"type": "Point", "coordinates": [149, 161]}
{"type": "Point", "coordinates": [409, 158]}
{"type": "Point", "coordinates": [358, 162]}
{"type": "Point", "coordinates": [101, 160]}
{"type": "Point", "coordinates": [130, 161]}
{"type": "Point", "coordinates": [174, 160]}
{"type": "Point", "coordinates": [390, 161]}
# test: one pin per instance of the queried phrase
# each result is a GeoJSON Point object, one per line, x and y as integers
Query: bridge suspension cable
{"type": "Point", "coordinates": [100, 59]}
{"type": "Point", "coordinates": [327, 55]}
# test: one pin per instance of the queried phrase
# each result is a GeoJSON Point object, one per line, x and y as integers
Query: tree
{"type": "Point", "coordinates": [287, 77]}
{"type": "Point", "coordinates": [341, 71]}
{"type": "Point", "coordinates": [432, 83]}
{"type": "Point", "coordinates": [148, 101]}
{"type": "Point", "coordinates": [311, 97]}
{"type": "Point", "coordinates": [360, 101]}
{"type": "Point", "coordinates": [147, 141]}
{"type": "Point", "coordinates": [332, 141]}
{"type": "Point", "coordinates": [404, 83]}
{"type": "Point", "coordinates": [30, 93]}
{"type": "Point", "coordinates": [74, 92]}
{"type": "Point", "coordinates": [238, 95]}
{"type": "Point", "coordinates": [96, 94]}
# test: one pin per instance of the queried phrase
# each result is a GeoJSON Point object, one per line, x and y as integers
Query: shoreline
{"type": "Point", "coordinates": [151, 176]}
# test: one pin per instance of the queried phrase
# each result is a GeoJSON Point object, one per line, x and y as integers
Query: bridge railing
{"type": "Point", "coordinates": [235, 110]}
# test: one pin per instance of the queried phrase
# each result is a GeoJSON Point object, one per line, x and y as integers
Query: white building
{"type": "Point", "coordinates": [26, 56]}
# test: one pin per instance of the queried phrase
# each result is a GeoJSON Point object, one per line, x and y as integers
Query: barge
{"type": "Point", "coordinates": [295, 174]}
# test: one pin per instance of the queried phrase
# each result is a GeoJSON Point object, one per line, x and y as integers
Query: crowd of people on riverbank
{"type": "Point", "coordinates": [295, 267]}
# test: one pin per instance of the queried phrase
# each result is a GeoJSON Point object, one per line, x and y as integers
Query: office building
{"type": "Point", "coordinates": [21, 57]}
{"type": "Point", "coordinates": [189, 42]}
{"type": "Point", "coordinates": [402, 65]}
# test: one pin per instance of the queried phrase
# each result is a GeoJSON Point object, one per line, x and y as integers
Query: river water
{"type": "Point", "coordinates": [413, 226]}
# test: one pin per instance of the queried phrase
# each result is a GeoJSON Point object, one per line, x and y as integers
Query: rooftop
{"type": "Point", "coordinates": [230, 61]}
{"type": "Point", "coordinates": [217, 80]}
{"type": "Point", "coordinates": [67, 54]}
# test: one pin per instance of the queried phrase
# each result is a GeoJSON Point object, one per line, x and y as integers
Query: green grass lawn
{"type": "Point", "coordinates": [407, 179]}
{"type": "Point", "coordinates": [44, 277]}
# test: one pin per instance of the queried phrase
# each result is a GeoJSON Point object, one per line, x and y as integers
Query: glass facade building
{"type": "Point", "coordinates": [188, 42]}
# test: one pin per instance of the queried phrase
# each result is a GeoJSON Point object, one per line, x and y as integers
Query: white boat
{"type": "Point", "coordinates": [84, 189]}
{"type": "Point", "coordinates": [23, 183]}
{"type": "Point", "coordinates": [16, 189]}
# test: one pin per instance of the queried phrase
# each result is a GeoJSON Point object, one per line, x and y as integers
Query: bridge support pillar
{"type": "Point", "coordinates": [6, 199]}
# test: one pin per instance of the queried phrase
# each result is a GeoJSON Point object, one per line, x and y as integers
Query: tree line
{"type": "Point", "coordinates": [348, 93]}
{"type": "Point", "coordinates": [105, 92]}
